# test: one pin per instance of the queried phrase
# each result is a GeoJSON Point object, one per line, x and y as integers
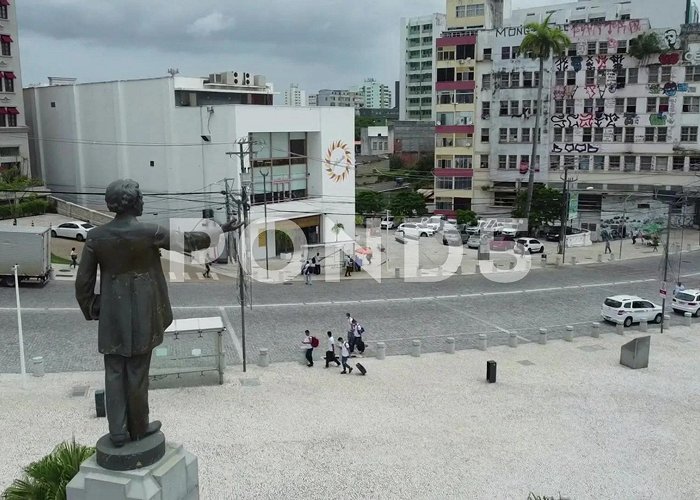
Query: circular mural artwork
{"type": "Point", "coordinates": [338, 161]}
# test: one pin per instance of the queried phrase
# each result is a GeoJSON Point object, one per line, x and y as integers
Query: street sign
{"type": "Point", "coordinates": [663, 291]}
{"type": "Point", "coordinates": [573, 205]}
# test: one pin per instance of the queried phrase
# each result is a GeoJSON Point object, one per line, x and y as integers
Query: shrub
{"type": "Point", "coordinates": [48, 477]}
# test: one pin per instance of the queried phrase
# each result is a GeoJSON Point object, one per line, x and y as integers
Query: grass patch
{"type": "Point", "coordinates": [55, 259]}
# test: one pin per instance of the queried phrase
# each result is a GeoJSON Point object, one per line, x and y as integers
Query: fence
{"type": "Point", "coordinates": [79, 212]}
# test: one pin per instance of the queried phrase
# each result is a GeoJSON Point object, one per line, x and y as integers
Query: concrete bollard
{"type": "Point", "coordinates": [476, 268]}
{"type": "Point", "coordinates": [483, 342]}
{"type": "Point", "coordinates": [569, 335]}
{"type": "Point", "coordinates": [643, 326]}
{"type": "Point", "coordinates": [415, 349]}
{"type": "Point", "coordinates": [688, 319]}
{"type": "Point", "coordinates": [450, 345]}
{"type": "Point", "coordinates": [38, 366]}
{"type": "Point", "coordinates": [264, 358]}
{"type": "Point", "coordinates": [612, 257]}
{"type": "Point", "coordinates": [600, 257]}
{"type": "Point", "coordinates": [397, 272]}
{"type": "Point", "coordinates": [667, 318]}
{"type": "Point", "coordinates": [620, 329]}
{"type": "Point", "coordinates": [573, 260]}
{"type": "Point", "coordinates": [513, 339]}
{"type": "Point", "coordinates": [543, 336]}
{"type": "Point", "coordinates": [459, 270]}
{"type": "Point", "coordinates": [558, 260]}
{"type": "Point", "coordinates": [381, 350]}
{"type": "Point", "coordinates": [595, 330]}
{"type": "Point", "coordinates": [689, 247]}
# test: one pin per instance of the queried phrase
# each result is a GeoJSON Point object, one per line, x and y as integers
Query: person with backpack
{"type": "Point", "coordinates": [306, 271]}
{"type": "Point", "coordinates": [330, 353]}
{"type": "Point", "coordinates": [351, 331]}
{"type": "Point", "coordinates": [357, 331]}
{"type": "Point", "coordinates": [73, 258]}
{"type": "Point", "coordinates": [344, 355]}
{"type": "Point", "coordinates": [349, 266]}
{"type": "Point", "coordinates": [308, 345]}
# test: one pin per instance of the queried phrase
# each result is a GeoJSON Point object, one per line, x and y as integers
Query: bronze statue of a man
{"type": "Point", "coordinates": [132, 307]}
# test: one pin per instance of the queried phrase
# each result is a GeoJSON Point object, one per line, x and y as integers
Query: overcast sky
{"type": "Point", "coordinates": [316, 43]}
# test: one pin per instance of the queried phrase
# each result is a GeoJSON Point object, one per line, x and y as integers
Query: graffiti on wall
{"type": "Point", "coordinates": [585, 31]}
{"type": "Point", "coordinates": [600, 62]}
{"type": "Point", "coordinates": [669, 58]}
{"type": "Point", "coordinates": [561, 92]}
{"type": "Point", "coordinates": [658, 120]}
{"type": "Point", "coordinates": [576, 147]}
{"type": "Point", "coordinates": [584, 120]}
{"type": "Point", "coordinates": [671, 39]}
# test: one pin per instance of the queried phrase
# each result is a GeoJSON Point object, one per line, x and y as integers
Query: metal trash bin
{"type": "Point", "coordinates": [491, 371]}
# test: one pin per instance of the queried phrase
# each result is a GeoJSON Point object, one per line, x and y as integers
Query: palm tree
{"type": "Point", "coordinates": [337, 228]}
{"type": "Point", "coordinates": [542, 41]}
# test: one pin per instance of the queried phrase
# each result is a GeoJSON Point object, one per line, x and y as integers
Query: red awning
{"type": "Point", "coordinates": [10, 75]}
{"type": "Point", "coordinates": [6, 38]}
{"type": "Point", "coordinates": [12, 111]}
{"type": "Point", "coordinates": [5, 2]}
{"type": "Point", "coordinates": [3, 111]}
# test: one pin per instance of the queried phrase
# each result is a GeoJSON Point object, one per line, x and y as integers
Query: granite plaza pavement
{"type": "Point", "coordinates": [563, 418]}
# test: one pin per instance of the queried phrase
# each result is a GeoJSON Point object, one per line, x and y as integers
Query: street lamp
{"type": "Point", "coordinates": [267, 262]}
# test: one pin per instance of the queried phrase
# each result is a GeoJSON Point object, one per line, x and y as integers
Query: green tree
{"type": "Point", "coordinates": [396, 163]}
{"type": "Point", "coordinates": [545, 206]}
{"type": "Point", "coordinates": [466, 217]}
{"type": "Point", "coordinates": [542, 41]}
{"type": "Point", "coordinates": [425, 163]}
{"type": "Point", "coordinates": [337, 228]}
{"type": "Point", "coordinates": [368, 202]}
{"type": "Point", "coordinates": [408, 203]}
{"type": "Point", "coordinates": [645, 45]}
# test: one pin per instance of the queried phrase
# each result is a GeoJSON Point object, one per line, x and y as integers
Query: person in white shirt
{"type": "Point", "coordinates": [357, 331]}
{"type": "Point", "coordinates": [679, 288]}
{"type": "Point", "coordinates": [306, 271]}
{"type": "Point", "coordinates": [306, 344]}
{"type": "Point", "coordinates": [344, 355]}
{"type": "Point", "coordinates": [330, 353]}
{"type": "Point", "coordinates": [351, 331]}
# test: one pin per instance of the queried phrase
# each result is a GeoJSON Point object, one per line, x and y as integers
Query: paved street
{"type": "Point", "coordinates": [393, 311]}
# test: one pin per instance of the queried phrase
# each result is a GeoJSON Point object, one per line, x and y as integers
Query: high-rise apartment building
{"type": "Point", "coordinates": [14, 147]}
{"type": "Point", "coordinates": [341, 98]}
{"type": "Point", "coordinates": [418, 66]}
{"type": "Point", "coordinates": [293, 96]}
{"type": "Point", "coordinates": [375, 95]}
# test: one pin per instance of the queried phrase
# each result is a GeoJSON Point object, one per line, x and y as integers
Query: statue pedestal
{"type": "Point", "coordinates": [173, 477]}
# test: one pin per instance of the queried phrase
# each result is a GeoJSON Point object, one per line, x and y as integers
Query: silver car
{"type": "Point", "coordinates": [474, 241]}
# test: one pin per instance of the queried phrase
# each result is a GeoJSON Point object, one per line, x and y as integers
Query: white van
{"type": "Point", "coordinates": [414, 231]}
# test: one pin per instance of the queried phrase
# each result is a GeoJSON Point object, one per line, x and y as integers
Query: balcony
{"type": "Point", "coordinates": [453, 172]}
{"type": "Point", "coordinates": [460, 85]}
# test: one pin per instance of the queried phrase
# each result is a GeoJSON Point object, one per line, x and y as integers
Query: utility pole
{"type": "Point", "coordinates": [267, 262]}
{"type": "Point", "coordinates": [564, 213]}
{"type": "Point", "coordinates": [624, 222]}
{"type": "Point", "coordinates": [668, 237]}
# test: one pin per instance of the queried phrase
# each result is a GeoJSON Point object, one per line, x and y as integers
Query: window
{"type": "Point", "coordinates": [619, 105]}
{"type": "Point", "coordinates": [600, 105]}
{"type": "Point", "coordinates": [505, 80]}
{"type": "Point", "coordinates": [512, 162]}
{"type": "Point", "coordinates": [629, 134]}
{"type": "Point", "coordinates": [514, 108]}
{"type": "Point", "coordinates": [591, 48]}
{"type": "Point", "coordinates": [515, 51]}
{"type": "Point", "coordinates": [485, 81]}
{"type": "Point", "coordinates": [630, 163]}
{"type": "Point", "coordinates": [465, 51]}
{"type": "Point", "coordinates": [569, 106]}
{"type": "Point", "coordinates": [587, 134]}
{"type": "Point", "coordinates": [442, 98]}
{"type": "Point", "coordinates": [554, 162]}
{"type": "Point", "coordinates": [443, 183]}
{"type": "Point", "coordinates": [484, 135]}
{"type": "Point", "coordinates": [602, 46]}
{"type": "Point", "coordinates": [445, 75]}
{"type": "Point", "coordinates": [559, 77]}
{"type": "Point", "coordinates": [487, 54]}
{"type": "Point", "coordinates": [598, 134]}
{"type": "Point", "coordinates": [653, 74]}
{"type": "Point", "coordinates": [571, 78]}
{"type": "Point", "coordinates": [3, 12]}
{"type": "Point", "coordinates": [6, 43]}
{"type": "Point", "coordinates": [665, 73]}
{"type": "Point", "coordinates": [569, 134]}
{"type": "Point", "coordinates": [505, 52]}
{"type": "Point", "coordinates": [463, 183]}
{"type": "Point", "coordinates": [689, 134]}
{"type": "Point", "coordinates": [598, 162]}
{"type": "Point", "coordinates": [486, 110]}
{"type": "Point", "coordinates": [632, 74]}
{"type": "Point", "coordinates": [624, 17]}
{"type": "Point", "coordinates": [691, 104]}
{"type": "Point", "coordinates": [502, 161]}
{"type": "Point", "coordinates": [651, 104]}
{"type": "Point", "coordinates": [678, 163]}
{"type": "Point", "coordinates": [537, 78]}
{"type": "Point", "coordinates": [645, 162]}
{"type": "Point", "coordinates": [443, 203]}
{"type": "Point", "coordinates": [620, 79]}
{"type": "Point", "coordinates": [444, 163]}
{"type": "Point", "coordinates": [661, 163]}
{"type": "Point", "coordinates": [571, 50]}
{"type": "Point", "coordinates": [559, 107]}
{"type": "Point", "coordinates": [9, 81]}
{"type": "Point", "coordinates": [649, 134]}
{"type": "Point", "coordinates": [503, 109]}
{"type": "Point", "coordinates": [584, 163]}
{"type": "Point", "coordinates": [484, 161]}
{"type": "Point", "coordinates": [631, 105]}
{"type": "Point", "coordinates": [525, 135]}
{"type": "Point", "coordinates": [588, 105]}
{"type": "Point", "coordinates": [527, 106]}
{"type": "Point", "coordinates": [558, 134]}
{"type": "Point", "coordinates": [513, 135]}
{"type": "Point", "coordinates": [464, 96]}
{"type": "Point", "coordinates": [527, 79]}
{"type": "Point", "coordinates": [622, 46]}
{"type": "Point", "coordinates": [590, 77]}
{"type": "Point", "coordinates": [617, 134]}
{"type": "Point", "coordinates": [692, 74]}
{"type": "Point", "coordinates": [614, 163]}
{"type": "Point", "coordinates": [502, 135]}
{"type": "Point", "coordinates": [694, 163]}
{"type": "Point", "coordinates": [661, 133]}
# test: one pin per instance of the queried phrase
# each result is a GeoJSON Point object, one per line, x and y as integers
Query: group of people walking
{"type": "Point", "coordinates": [353, 346]}
{"type": "Point", "coordinates": [311, 266]}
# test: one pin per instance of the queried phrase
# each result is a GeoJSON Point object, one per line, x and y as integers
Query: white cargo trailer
{"type": "Point", "coordinates": [30, 249]}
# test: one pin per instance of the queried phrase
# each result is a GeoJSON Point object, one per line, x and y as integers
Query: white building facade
{"type": "Point", "coordinates": [418, 66]}
{"type": "Point", "coordinates": [294, 96]}
{"type": "Point", "coordinates": [176, 135]}
{"type": "Point", "coordinates": [14, 147]}
{"type": "Point", "coordinates": [375, 94]}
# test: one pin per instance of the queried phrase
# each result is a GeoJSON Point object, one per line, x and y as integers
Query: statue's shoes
{"type": "Point", "coordinates": [118, 440]}
{"type": "Point", "coordinates": [152, 428]}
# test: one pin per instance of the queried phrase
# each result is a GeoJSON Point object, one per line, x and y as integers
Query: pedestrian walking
{"type": "Point", "coordinates": [348, 266]}
{"type": "Point", "coordinates": [606, 238]}
{"type": "Point", "coordinates": [344, 355]}
{"type": "Point", "coordinates": [308, 345]}
{"type": "Point", "coordinates": [330, 353]}
{"type": "Point", "coordinates": [351, 331]}
{"type": "Point", "coordinates": [306, 271]}
{"type": "Point", "coordinates": [207, 270]}
{"type": "Point", "coordinates": [317, 266]}
{"type": "Point", "coordinates": [73, 258]}
{"type": "Point", "coordinates": [678, 288]}
{"type": "Point", "coordinates": [358, 343]}
{"type": "Point", "coordinates": [369, 255]}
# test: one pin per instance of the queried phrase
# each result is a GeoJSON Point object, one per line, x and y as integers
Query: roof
{"type": "Point", "coordinates": [23, 229]}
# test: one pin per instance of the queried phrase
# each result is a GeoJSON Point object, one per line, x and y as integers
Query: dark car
{"type": "Point", "coordinates": [552, 233]}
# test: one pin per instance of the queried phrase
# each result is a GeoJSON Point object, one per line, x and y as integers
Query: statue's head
{"type": "Point", "coordinates": [123, 196]}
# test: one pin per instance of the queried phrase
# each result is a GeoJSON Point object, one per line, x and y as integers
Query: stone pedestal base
{"type": "Point", "coordinates": [173, 477]}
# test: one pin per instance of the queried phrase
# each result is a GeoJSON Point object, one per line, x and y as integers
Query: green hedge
{"type": "Point", "coordinates": [26, 208]}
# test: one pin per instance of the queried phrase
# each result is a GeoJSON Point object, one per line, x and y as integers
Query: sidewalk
{"type": "Point", "coordinates": [562, 418]}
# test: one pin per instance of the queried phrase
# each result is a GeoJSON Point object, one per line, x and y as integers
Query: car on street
{"type": "Point", "coordinates": [452, 237]}
{"type": "Point", "coordinates": [474, 241]}
{"type": "Point", "coordinates": [628, 309]}
{"type": "Point", "coordinates": [687, 301]}
{"type": "Point", "coordinates": [413, 230]}
{"type": "Point", "coordinates": [552, 233]}
{"type": "Point", "coordinates": [76, 230]}
{"type": "Point", "coordinates": [530, 245]}
{"type": "Point", "coordinates": [502, 243]}
{"type": "Point", "coordinates": [387, 223]}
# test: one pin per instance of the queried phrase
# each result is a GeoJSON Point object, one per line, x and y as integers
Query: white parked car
{"type": "Point", "coordinates": [413, 230]}
{"type": "Point", "coordinates": [628, 309]}
{"type": "Point", "coordinates": [529, 245]}
{"type": "Point", "coordinates": [687, 301]}
{"type": "Point", "coordinates": [387, 223]}
{"type": "Point", "coordinates": [76, 230]}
